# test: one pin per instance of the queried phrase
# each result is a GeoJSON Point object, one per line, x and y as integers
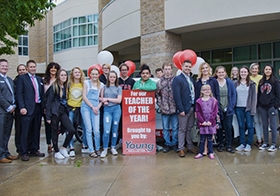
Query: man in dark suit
{"type": "Point", "coordinates": [7, 107]}
{"type": "Point", "coordinates": [30, 92]}
{"type": "Point", "coordinates": [21, 69]}
{"type": "Point", "coordinates": [184, 94]}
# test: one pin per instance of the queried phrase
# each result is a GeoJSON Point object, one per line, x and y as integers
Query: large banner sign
{"type": "Point", "coordinates": [139, 120]}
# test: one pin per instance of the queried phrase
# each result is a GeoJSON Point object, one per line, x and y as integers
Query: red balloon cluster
{"type": "Point", "coordinates": [180, 56]}
{"type": "Point", "coordinates": [96, 66]}
{"type": "Point", "coordinates": [132, 67]}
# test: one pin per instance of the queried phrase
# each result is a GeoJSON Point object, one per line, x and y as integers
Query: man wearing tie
{"type": "Point", "coordinates": [7, 107]}
{"type": "Point", "coordinates": [183, 93]}
{"type": "Point", "coordinates": [30, 92]}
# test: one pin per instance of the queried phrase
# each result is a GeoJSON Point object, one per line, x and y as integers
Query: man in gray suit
{"type": "Point", "coordinates": [7, 107]}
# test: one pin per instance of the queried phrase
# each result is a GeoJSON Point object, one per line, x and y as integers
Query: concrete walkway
{"type": "Point", "coordinates": [164, 174]}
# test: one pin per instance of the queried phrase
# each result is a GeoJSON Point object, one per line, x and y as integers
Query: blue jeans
{"type": "Point", "coordinates": [166, 119]}
{"type": "Point", "coordinates": [91, 122]}
{"type": "Point", "coordinates": [111, 118]}
{"type": "Point", "coordinates": [203, 138]}
{"type": "Point", "coordinates": [242, 118]}
{"type": "Point", "coordinates": [71, 117]}
{"type": "Point", "coordinates": [226, 126]}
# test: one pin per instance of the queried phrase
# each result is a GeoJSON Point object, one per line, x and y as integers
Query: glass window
{"type": "Point", "coordinates": [23, 45]}
{"type": "Point", "coordinates": [239, 65]}
{"type": "Point", "coordinates": [206, 56]}
{"type": "Point", "coordinates": [222, 55]}
{"type": "Point", "coordinates": [75, 42]}
{"type": "Point", "coordinates": [265, 51]}
{"type": "Point", "coordinates": [83, 32]}
{"type": "Point", "coordinates": [95, 31]}
{"type": "Point", "coordinates": [20, 51]}
{"type": "Point", "coordinates": [90, 29]}
{"type": "Point", "coordinates": [245, 53]}
{"type": "Point", "coordinates": [19, 40]}
{"type": "Point", "coordinates": [25, 41]}
{"type": "Point", "coordinates": [277, 68]}
{"type": "Point", "coordinates": [95, 40]}
{"type": "Point", "coordinates": [95, 17]}
{"type": "Point", "coordinates": [90, 40]}
{"type": "Point", "coordinates": [89, 18]}
{"type": "Point", "coordinates": [82, 19]}
{"type": "Point", "coordinates": [262, 64]}
{"type": "Point", "coordinates": [276, 50]}
{"type": "Point", "coordinates": [82, 41]}
{"type": "Point", "coordinates": [75, 31]}
{"type": "Point", "coordinates": [75, 20]}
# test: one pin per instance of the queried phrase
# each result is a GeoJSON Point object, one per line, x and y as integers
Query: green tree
{"type": "Point", "coordinates": [15, 15]}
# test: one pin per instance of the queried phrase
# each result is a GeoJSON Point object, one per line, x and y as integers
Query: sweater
{"type": "Point", "coordinates": [251, 102]}
{"type": "Point", "coordinates": [231, 98]}
{"type": "Point", "coordinates": [149, 85]}
{"type": "Point", "coordinates": [207, 111]}
{"type": "Point", "coordinates": [126, 84]}
{"type": "Point", "coordinates": [269, 94]}
{"type": "Point", "coordinates": [164, 96]}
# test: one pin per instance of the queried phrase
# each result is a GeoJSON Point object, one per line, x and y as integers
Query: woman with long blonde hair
{"type": "Point", "coordinates": [75, 97]}
{"type": "Point", "coordinates": [234, 74]}
{"type": "Point", "coordinates": [90, 111]}
{"type": "Point", "coordinates": [204, 77]}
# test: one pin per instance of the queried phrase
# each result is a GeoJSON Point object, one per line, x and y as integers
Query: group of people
{"type": "Point", "coordinates": [22, 98]}
{"type": "Point", "coordinates": [215, 99]}
{"type": "Point", "coordinates": [67, 102]}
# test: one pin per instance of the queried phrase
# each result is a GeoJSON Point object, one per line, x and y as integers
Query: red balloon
{"type": "Point", "coordinates": [176, 59]}
{"type": "Point", "coordinates": [96, 66]}
{"type": "Point", "coordinates": [132, 67]}
{"type": "Point", "coordinates": [188, 55]}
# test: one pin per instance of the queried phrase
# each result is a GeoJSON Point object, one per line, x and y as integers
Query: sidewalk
{"type": "Point", "coordinates": [164, 174]}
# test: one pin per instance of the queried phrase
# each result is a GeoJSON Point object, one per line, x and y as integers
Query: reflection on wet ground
{"type": "Point", "coordinates": [242, 173]}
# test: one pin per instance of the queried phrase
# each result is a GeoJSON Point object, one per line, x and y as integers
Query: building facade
{"type": "Point", "coordinates": [222, 32]}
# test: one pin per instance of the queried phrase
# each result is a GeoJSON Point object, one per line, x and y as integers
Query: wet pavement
{"type": "Point", "coordinates": [164, 174]}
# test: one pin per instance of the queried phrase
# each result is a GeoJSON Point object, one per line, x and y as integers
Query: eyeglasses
{"type": "Point", "coordinates": [124, 70]}
{"type": "Point", "coordinates": [105, 68]}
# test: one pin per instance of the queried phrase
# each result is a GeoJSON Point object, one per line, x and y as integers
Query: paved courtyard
{"type": "Point", "coordinates": [164, 174]}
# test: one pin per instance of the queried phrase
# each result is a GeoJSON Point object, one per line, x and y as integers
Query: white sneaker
{"type": "Point", "coordinates": [85, 150]}
{"type": "Point", "coordinates": [64, 152]}
{"type": "Point", "coordinates": [247, 148]}
{"type": "Point", "coordinates": [272, 148]}
{"type": "Point", "coordinates": [241, 147]}
{"type": "Point", "coordinates": [264, 146]}
{"type": "Point", "coordinates": [114, 151]}
{"type": "Point", "coordinates": [72, 153]}
{"type": "Point", "coordinates": [58, 155]}
{"type": "Point", "coordinates": [104, 153]}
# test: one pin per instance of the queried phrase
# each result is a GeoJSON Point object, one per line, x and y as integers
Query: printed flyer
{"type": "Point", "coordinates": [139, 122]}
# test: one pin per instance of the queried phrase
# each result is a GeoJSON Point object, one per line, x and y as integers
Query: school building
{"type": "Point", "coordinates": [222, 32]}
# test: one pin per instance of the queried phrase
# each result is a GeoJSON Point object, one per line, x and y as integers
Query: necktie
{"type": "Point", "coordinates": [10, 87]}
{"type": "Point", "coordinates": [191, 88]}
{"type": "Point", "coordinates": [35, 88]}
